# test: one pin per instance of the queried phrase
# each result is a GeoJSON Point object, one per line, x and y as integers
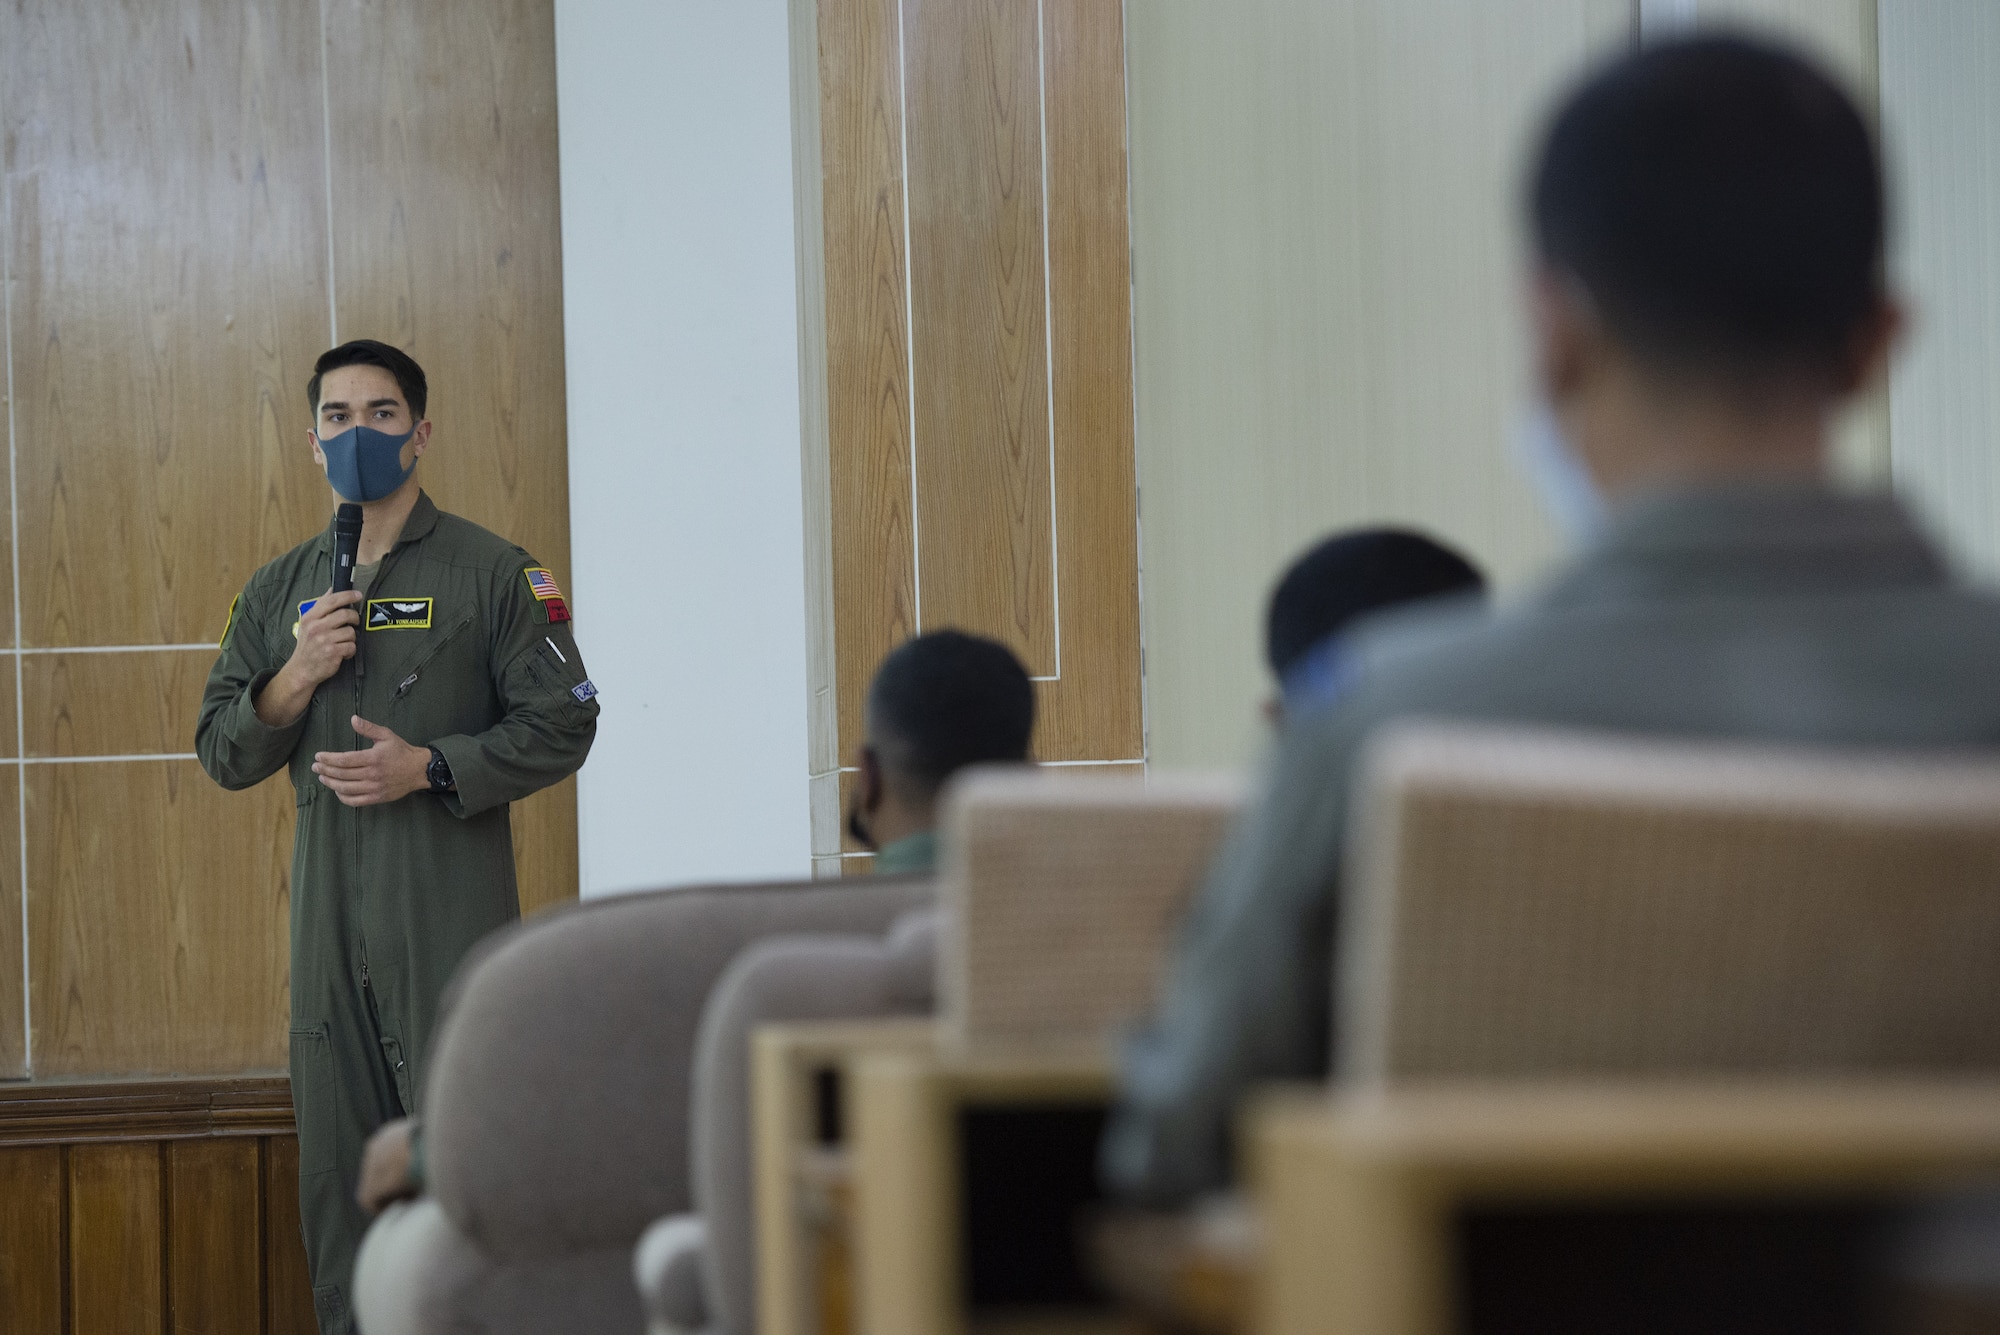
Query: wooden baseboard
{"type": "Point", "coordinates": [69, 1112]}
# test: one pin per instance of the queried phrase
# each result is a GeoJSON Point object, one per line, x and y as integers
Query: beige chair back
{"type": "Point", "coordinates": [1533, 902]}
{"type": "Point", "coordinates": [1062, 894]}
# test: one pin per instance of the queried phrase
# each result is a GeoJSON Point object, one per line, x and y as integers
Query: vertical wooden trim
{"type": "Point", "coordinates": [68, 1260]}
{"type": "Point", "coordinates": [263, 1190]}
{"type": "Point", "coordinates": [166, 1238]}
{"type": "Point", "coordinates": [809, 238]}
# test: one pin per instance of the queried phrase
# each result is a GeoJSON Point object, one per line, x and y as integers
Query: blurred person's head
{"type": "Point", "coordinates": [1708, 220]}
{"type": "Point", "coordinates": [1339, 580]}
{"type": "Point", "coordinates": [939, 703]}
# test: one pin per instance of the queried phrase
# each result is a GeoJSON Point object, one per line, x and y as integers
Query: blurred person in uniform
{"type": "Point", "coordinates": [1333, 586]}
{"type": "Point", "coordinates": [409, 711]}
{"type": "Point", "coordinates": [1708, 292]}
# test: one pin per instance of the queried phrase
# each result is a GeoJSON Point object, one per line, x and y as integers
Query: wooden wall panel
{"type": "Point", "coordinates": [214, 1247]}
{"type": "Point", "coordinates": [158, 697]}
{"type": "Point", "coordinates": [979, 300]}
{"type": "Point", "coordinates": [13, 1020]}
{"type": "Point", "coordinates": [181, 246]}
{"type": "Point", "coordinates": [167, 241]}
{"type": "Point", "coordinates": [1096, 711]}
{"type": "Point", "coordinates": [31, 1238]}
{"type": "Point", "coordinates": [447, 243]}
{"type": "Point", "coordinates": [164, 1206]}
{"type": "Point", "coordinates": [288, 1305]}
{"type": "Point", "coordinates": [867, 347]}
{"type": "Point", "coordinates": [116, 1233]}
{"type": "Point", "coordinates": [157, 946]}
{"type": "Point", "coordinates": [1004, 330]}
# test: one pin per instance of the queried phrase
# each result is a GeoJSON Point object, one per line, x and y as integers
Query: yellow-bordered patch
{"type": "Point", "coordinates": [542, 583]}
{"type": "Point", "coordinates": [398, 614]}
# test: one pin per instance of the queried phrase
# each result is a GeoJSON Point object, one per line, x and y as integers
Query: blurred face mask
{"type": "Point", "coordinates": [1567, 490]}
{"type": "Point", "coordinates": [364, 464]}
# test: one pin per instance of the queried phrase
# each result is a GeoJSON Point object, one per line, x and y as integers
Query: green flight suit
{"type": "Point", "coordinates": [466, 646]}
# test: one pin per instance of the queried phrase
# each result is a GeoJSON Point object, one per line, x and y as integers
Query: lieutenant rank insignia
{"type": "Point", "coordinates": [399, 614]}
{"type": "Point", "coordinates": [543, 584]}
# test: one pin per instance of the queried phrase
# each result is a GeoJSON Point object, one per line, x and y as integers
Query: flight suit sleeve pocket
{"type": "Point", "coordinates": [313, 1093]}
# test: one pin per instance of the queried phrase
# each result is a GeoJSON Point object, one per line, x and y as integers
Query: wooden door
{"type": "Point", "coordinates": [967, 349]}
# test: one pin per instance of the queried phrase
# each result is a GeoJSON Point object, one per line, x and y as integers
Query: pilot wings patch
{"type": "Point", "coordinates": [398, 614]}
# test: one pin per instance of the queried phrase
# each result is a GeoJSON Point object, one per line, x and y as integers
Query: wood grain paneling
{"type": "Point", "coordinates": [867, 347]}
{"type": "Point", "coordinates": [31, 1238]}
{"type": "Point", "coordinates": [116, 1232]}
{"type": "Point", "coordinates": [447, 243]}
{"type": "Point", "coordinates": [13, 1021]}
{"type": "Point", "coordinates": [214, 1246]}
{"type": "Point", "coordinates": [971, 71]}
{"type": "Point", "coordinates": [1024, 497]}
{"type": "Point", "coordinates": [158, 941]}
{"type": "Point", "coordinates": [288, 1305]}
{"type": "Point", "coordinates": [157, 696]}
{"type": "Point", "coordinates": [1095, 712]}
{"type": "Point", "coordinates": [166, 240]}
{"type": "Point", "coordinates": [133, 1203]}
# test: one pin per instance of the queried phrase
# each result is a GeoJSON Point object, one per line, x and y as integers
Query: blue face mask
{"type": "Point", "coordinates": [364, 464]}
{"type": "Point", "coordinates": [1567, 490]}
{"type": "Point", "coordinates": [1316, 679]}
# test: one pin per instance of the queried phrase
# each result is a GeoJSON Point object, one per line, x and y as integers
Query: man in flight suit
{"type": "Point", "coordinates": [410, 711]}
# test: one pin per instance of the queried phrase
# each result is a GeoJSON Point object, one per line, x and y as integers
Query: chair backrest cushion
{"type": "Point", "coordinates": [1061, 894]}
{"type": "Point", "coordinates": [780, 979]}
{"type": "Point", "coordinates": [1541, 902]}
{"type": "Point", "coordinates": [562, 1063]}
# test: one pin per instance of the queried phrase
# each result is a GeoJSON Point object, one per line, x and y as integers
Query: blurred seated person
{"type": "Point", "coordinates": [1338, 582]}
{"type": "Point", "coordinates": [1707, 218]}
{"type": "Point", "coordinates": [937, 704]}
{"type": "Point", "coordinates": [940, 703]}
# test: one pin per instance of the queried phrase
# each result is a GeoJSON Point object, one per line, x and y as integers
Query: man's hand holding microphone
{"type": "Point", "coordinates": [329, 635]}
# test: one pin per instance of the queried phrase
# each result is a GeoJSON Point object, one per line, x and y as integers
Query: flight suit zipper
{"type": "Point", "coordinates": [403, 687]}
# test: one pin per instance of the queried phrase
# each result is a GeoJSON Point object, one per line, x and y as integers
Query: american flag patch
{"type": "Point", "coordinates": [543, 583]}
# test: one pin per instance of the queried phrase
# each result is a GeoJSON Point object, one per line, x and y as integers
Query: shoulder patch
{"type": "Point", "coordinates": [542, 583]}
{"type": "Point", "coordinates": [583, 690]}
{"type": "Point", "coordinates": [230, 624]}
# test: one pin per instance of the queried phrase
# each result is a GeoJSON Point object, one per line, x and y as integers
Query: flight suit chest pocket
{"type": "Point", "coordinates": [431, 672]}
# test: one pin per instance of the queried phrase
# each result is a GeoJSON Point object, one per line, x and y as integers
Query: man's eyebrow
{"type": "Point", "coordinates": [385, 403]}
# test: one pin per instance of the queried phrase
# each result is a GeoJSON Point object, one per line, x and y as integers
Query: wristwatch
{"type": "Point", "coordinates": [439, 772]}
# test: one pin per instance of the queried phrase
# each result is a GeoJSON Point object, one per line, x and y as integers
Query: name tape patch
{"type": "Point", "coordinates": [583, 690]}
{"type": "Point", "coordinates": [398, 614]}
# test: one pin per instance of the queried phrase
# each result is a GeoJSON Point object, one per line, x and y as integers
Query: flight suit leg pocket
{"type": "Point", "coordinates": [314, 1095]}
{"type": "Point", "coordinates": [392, 1053]}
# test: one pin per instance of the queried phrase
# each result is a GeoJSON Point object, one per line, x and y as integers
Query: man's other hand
{"type": "Point", "coordinates": [386, 771]}
{"type": "Point", "coordinates": [385, 1167]}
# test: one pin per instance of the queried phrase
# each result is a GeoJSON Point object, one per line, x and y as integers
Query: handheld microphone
{"type": "Point", "coordinates": [346, 545]}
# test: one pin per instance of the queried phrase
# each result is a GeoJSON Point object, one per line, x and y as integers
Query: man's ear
{"type": "Point", "coordinates": [871, 792]}
{"type": "Point", "coordinates": [1568, 333]}
{"type": "Point", "coordinates": [423, 438]}
{"type": "Point", "coordinates": [1868, 351]}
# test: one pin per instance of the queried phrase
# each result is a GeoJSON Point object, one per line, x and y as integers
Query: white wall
{"type": "Point", "coordinates": [681, 324]}
{"type": "Point", "coordinates": [1941, 108]}
{"type": "Point", "coordinates": [1325, 293]}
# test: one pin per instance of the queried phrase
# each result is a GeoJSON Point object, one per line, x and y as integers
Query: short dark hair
{"type": "Point", "coordinates": [1354, 573]}
{"type": "Point", "coordinates": [1721, 201]}
{"type": "Point", "coordinates": [946, 700]}
{"type": "Point", "coordinates": [368, 352]}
